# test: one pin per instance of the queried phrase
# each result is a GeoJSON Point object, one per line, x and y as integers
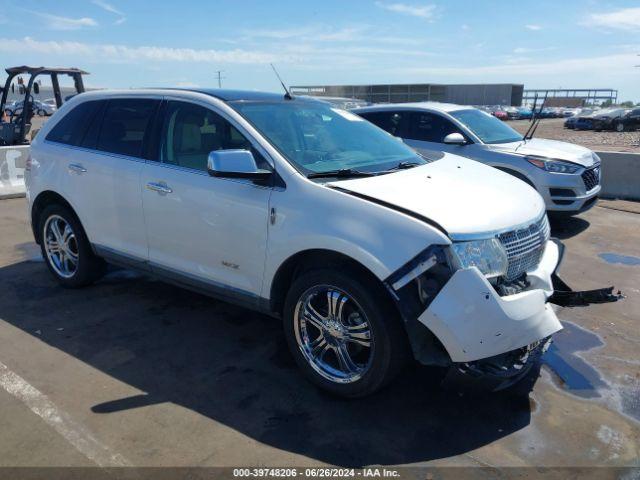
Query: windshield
{"type": "Point", "coordinates": [317, 137]}
{"type": "Point", "coordinates": [486, 127]}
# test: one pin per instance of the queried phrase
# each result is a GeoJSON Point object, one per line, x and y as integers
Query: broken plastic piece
{"type": "Point", "coordinates": [564, 296]}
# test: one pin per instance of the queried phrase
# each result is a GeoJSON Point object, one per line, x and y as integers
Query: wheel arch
{"type": "Point", "coordinates": [42, 201]}
{"type": "Point", "coordinates": [306, 260]}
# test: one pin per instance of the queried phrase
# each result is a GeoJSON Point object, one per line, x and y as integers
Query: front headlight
{"type": "Point", "coordinates": [488, 255]}
{"type": "Point", "coordinates": [553, 166]}
{"type": "Point", "coordinates": [596, 158]}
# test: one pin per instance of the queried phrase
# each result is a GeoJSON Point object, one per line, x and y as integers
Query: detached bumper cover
{"type": "Point", "coordinates": [474, 322]}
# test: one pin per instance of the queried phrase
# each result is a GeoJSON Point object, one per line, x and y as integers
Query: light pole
{"type": "Point", "coordinates": [220, 77]}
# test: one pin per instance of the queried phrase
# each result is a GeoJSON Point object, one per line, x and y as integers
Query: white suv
{"type": "Point", "coordinates": [368, 252]}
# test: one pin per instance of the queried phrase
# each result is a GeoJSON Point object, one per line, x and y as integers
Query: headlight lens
{"type": "Point", "coordinates": [596, 158]}
{"type": "Point", "coordinates": [488, 255]}
{"type": "Point", "coordinates": [553, 166]}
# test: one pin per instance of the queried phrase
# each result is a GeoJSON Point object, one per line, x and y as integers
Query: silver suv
{"type": "Point", "coordinates": [567, 176]}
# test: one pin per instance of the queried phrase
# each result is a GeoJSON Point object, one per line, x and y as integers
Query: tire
{"type": "Point", "coordinates": [81, 266]}
{"type": "Point", "coordinates": [620, 127]}
{"type": "Point", "coordinates": [363, 311]}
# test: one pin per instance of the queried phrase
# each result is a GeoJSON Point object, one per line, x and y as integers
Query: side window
{"type": "Point", "coordinates": [428, 127]}
{"type": "Point", "coordinates": [125, 124]}
{"type": "Point", "coordinates": [71, 129]}
{"type": "Point", "coordinates": [391, 121]}
{"type": "Point", "coordinates": [190, 132]}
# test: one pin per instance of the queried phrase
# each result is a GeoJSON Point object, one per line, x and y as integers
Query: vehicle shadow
{"type": "Point", "coordinates": [564, 227]}
{"type": "Point", "coordinates": [232, 365]}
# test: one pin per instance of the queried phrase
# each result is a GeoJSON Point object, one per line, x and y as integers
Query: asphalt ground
{"type": "Point", "coordinates": [135, 372]}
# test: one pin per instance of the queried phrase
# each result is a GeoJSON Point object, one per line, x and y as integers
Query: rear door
{"type": "Point", "coordinates": [206, 231]}
{"type": "Point", "coordinates": [103, 171]}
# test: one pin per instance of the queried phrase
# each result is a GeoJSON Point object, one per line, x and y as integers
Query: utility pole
{"type": "Point", "coordinates": [220, 77]}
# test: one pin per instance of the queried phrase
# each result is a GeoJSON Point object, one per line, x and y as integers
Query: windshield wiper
{"type": "Point", "coordinates": [402, 166]}
{"type": "Point", "coordinates": [405, 165]}
{"type": "Point", "coordinates": [341, 173]}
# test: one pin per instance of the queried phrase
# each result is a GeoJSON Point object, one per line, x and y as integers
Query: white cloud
{"type": "Point", "coordinates": [318, 33]}
{"type": "Point", "coordinates": [56, 22]}
{"type": "Point", "coordinates": [111, 52]}
{"type": "Point", "coordinates": [624, 19]}
{"type": "Point", "coordinates": [421, 11]}
{"type": "Point", "coordinates": [521, 50]}
{"type": "Point", "coordinates": [535, 28]}
{"type": "Point", "coordinates": [108, 7]}
{"type": "Point", "coordinates": [620, 64]}
{"type": "Point", "coordinates": [111, 9]}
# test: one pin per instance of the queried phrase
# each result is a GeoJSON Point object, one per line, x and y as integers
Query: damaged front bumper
{"type": "Point", "coordinates": [473, 326]}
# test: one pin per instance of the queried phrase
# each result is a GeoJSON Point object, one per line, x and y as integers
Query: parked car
{"type": "Point", "coordinates": [43, 109]}
{"type": "Point", "coordinates": [571, 122]}
{"type": "Point", "coordinates": [585, 121]}
{"type": "Point", "coordinates": [607, 119]}
{"type": "Point", "coordinates": [365, 250]}
{"type": "Point", "coordinates": [512, 113]}
{"type": "Point", "coordinates": [566, 175]}
{"type": "Point", "coordinates": [628, 122]}
{"type": "Point", "coordinates": [13, 107]}
{"type": "Point", "coordinates": [344, 103]}
{"type": "Point", "coordinates": [499, 113]}
{"type": "Point", "coordinates": [525, 113]}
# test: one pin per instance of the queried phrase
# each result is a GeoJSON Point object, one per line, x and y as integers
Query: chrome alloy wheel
{"type": "Point", "coordinates": [61, 246]}
{"type": "Point", "coordinates": [333, 334]}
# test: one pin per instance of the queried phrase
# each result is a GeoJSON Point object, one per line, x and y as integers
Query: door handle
{"type": "Point", "coordinates": [76, 168]}
{"type": "Point", "coordinates": [162, 188]}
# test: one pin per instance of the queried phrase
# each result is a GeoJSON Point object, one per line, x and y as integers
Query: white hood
{"type": "Point", "coordinates": [547, 148]}
{"type": "Point", "coordinates": [463, 196]}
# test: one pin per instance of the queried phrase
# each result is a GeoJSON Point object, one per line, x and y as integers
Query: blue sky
{"type": "Point", "coordinates": [541, 43]}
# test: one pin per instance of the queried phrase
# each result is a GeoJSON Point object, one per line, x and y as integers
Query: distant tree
{"type": "Point", "coordinates": [606, 103]}
{"type": "Point", "coordinates": [627, 104]}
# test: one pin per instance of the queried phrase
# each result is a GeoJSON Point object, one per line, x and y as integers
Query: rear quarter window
{"type": "Point", "coordinates": [70, 130]}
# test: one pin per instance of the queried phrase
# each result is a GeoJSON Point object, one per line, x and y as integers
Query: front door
{"type": "Point", "coordinates": [426, 132]}
{"type": "Point", "coordinates": [211, 232]}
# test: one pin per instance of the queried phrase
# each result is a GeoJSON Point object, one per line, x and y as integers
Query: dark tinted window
{"type": "Point", "coordinates": [124, 125]}
{"type": "Point", "coordinates": [429, 127]}
{"type": "Point", "coordinates": [190, 132]}
{"type": "Point", "coordinates": [392, 122]}
{"type": "Point", "coordinates": [71, 129]}
{"type": "Point", "coordinates": [93, 128]}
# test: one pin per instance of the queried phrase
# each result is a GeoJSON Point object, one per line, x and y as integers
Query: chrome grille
{"type": "Point", "coordinates": [525, 247]}
{"type": "Point", "coordinates": [591, 177]}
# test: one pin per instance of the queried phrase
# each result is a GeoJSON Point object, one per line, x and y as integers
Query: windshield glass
{"type": "Point", "coordinates": [486, 127]}
{"type": "Point", "coordinates": [317, 137]}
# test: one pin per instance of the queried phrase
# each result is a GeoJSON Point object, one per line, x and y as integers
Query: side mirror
{"type": "Point", "coordinates": [455, 139]}
{"type": "Point", "coordinates": [235, 164]}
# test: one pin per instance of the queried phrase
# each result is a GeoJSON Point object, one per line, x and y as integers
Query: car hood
{"type": "Point", "coordinates": [463, 196]}
{"type": "Point", "coordinates": [547, 148]}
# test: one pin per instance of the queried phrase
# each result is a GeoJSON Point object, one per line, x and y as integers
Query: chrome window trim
{"type": "Point", "coordinates": [94, 151]}
{"type": "Point", "coordinates": [466, 237]}
{"type": "Point", "coordinates": [197, 171]}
